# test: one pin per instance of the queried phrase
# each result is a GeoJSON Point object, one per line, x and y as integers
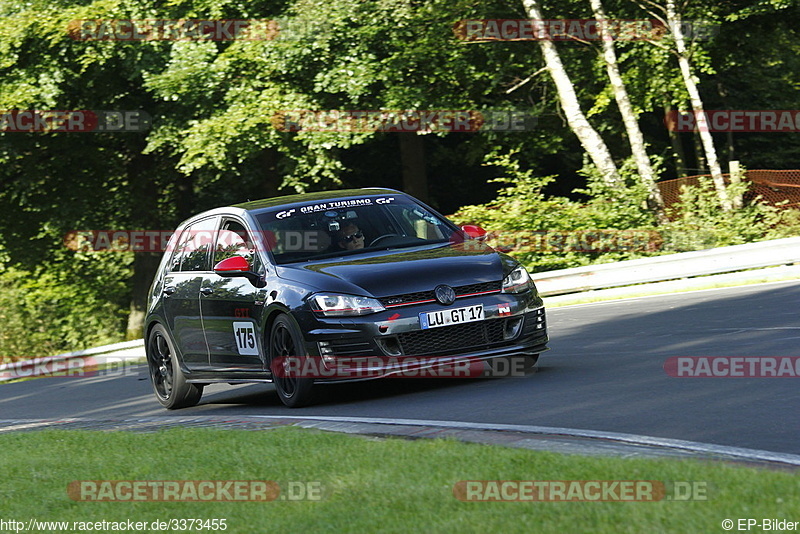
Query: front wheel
{"type": "Point", "coordinates": [170, 386]}
{"type": "Point", "coordinates": [285, 342]}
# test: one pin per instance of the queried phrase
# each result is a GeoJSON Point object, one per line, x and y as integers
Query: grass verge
{"type": "Point", "coordinates": [368, 485]}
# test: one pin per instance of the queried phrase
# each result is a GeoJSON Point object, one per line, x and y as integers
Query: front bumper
{"type": "Point", "coordinates": [393, 343]}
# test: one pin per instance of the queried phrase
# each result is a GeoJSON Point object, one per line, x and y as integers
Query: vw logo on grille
{"type": "Point", "coordinates": [445, 294]}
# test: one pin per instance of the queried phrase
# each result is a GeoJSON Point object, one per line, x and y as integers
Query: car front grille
{"type": "Point", "coordinates": [443, 340]}
{"type": "Point", "coordinates": [447, 338]}
{"type": "Point", "coordinates": [428, 296]}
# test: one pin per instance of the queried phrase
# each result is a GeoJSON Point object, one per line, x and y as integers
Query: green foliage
{"type": "Point", "coordinates": [616, 207]}
{"type": "Point", "coordinates": [551, 232]}
{"type": "Point", "coordinates": [697, 222]}
{"type": "Point", "coordinates": [77, 301]}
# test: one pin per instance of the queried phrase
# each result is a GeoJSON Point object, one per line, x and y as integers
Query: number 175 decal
{"type": "Point", "coordinates": [245, 334]}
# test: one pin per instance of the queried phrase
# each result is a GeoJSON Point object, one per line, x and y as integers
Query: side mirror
{"type": "Point", "coordinates": [236, 266]}
{"type": "Point", "coordinates": [480, 235]}
{"type": "Point", "coordinates": [474, 231]}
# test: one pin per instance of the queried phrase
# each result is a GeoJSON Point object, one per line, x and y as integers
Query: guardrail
{"type": "Point", "coordinates": [76, 363]}
{"type": "Point", "coordinates": [623, 273]}
{"type": "Point", "coordinates": [670, 267]}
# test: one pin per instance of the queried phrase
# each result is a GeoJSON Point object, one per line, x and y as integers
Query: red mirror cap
{"type": "Point", "coordinates": [474, 231]}
{"type": "Point", "coordinates": [232, 264]}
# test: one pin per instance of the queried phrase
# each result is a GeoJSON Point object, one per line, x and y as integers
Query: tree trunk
{"type": "Point", "coordinates": [728, 136]}
{"type": "Point", "coordinates": [591, 141]}
{"type": "Point", "coordinates": [700, 160]}
{"type": "Point", "coordinates": [674, 22]}
{"type": "Point", "coordinates": [144, 196]}
{"type": "Point", "coordinates": [655, 201]}
{"type": "Point", "coordinates": [412, 157]}
{"type": "Point", "coordinates": [271, 183]}
{"type": "Point", "coordinates": [677, 146]}
{"type": "Point", "coordinates": [145, 265]}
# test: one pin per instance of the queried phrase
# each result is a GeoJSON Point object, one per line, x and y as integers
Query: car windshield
{"type": "Point", "coordinates": [306, 232]}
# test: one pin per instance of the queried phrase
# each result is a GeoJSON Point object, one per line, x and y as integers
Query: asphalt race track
{"type": "Point", "coordinates": [605, 371]}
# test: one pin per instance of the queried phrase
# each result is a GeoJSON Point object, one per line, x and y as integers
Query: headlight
{"type": "Point", "coordinates": [345, 305]}
{"type": "Point", "coordinates": [517, 281]}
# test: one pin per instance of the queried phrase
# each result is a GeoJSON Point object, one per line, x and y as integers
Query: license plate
{"type": "Point", "coordinates": [435, 319]}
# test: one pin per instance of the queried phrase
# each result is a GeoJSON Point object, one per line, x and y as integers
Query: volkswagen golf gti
{"type": "Point", "coordinates": [331, 287]}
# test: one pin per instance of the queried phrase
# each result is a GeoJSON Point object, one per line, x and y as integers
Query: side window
{"type": "Point", "coordinates": [191, 253]}
{"type": "Point", "coordinates": [234, 240]}
{"type": "Point", "coordinates": [418, 222]}
{"type": "Point", "coordinates": [180, 246]}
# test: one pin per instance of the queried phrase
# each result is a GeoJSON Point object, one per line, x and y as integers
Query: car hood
{"type": "Point", "coordinates": [395, 272]}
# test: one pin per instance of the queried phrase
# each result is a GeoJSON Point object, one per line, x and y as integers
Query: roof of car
{"type": "Point", "coordinates": [312, 197]}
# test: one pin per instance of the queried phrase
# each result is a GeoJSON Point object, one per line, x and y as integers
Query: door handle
{"type": "Point", "coordinates": [206, 290]}
{"type": "Point", "coordinates": [169, 290]}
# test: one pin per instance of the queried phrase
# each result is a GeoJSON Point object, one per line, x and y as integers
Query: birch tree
{"type": "Point", "coordinates": [590, 140]}
{"type": "Point", "coordinates": [674, 23]}
{"type": "Point", "coordinates": [629, 119]}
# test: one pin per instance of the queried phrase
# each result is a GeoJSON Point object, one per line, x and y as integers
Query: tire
{"type": "Point", "coordinates": [285, 340]}
{"type": "Point", "coordinates": [169, 385]}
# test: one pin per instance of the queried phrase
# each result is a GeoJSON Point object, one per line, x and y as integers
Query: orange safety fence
{"type": "Point", "coordinates": [773, 186]}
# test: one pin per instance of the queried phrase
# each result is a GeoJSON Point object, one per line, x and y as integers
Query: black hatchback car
{"type": "Point", "coordinates": [332, 286]}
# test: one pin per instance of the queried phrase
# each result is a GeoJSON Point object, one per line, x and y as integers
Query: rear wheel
{"type": "Point", "coordinates": [286, 341]}
{"type": "Point", "coordinates": [170, 386]}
